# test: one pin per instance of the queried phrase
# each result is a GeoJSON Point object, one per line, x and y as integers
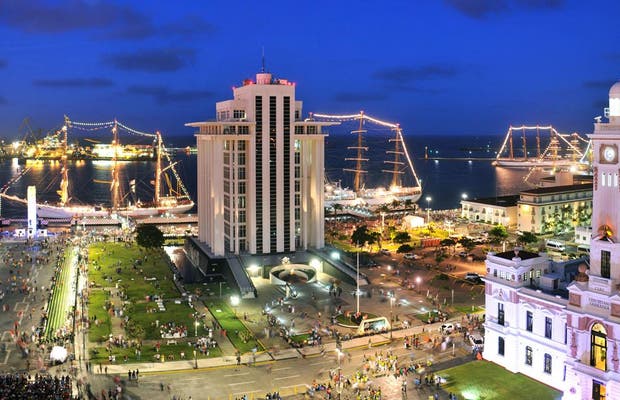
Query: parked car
{"type": "Point", "coordinates": [411, 256]}
{"type": "Point", "coordinates": [473, 277]}
{"type": "Point", "coordinates": [477, 341]}
{"type": "Point", "coordinates": [385, 252]}
{"type": "Point", "coordinates": [463, 254]}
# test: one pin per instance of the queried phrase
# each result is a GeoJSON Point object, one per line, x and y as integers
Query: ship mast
{"type": "Point", "coordinates": [396, 163]}
{"type": "Point", "coordinates": [358, 182]}
{"type": "Point", "coordinates": [158, 170]}
{"type": "Point", "coordinates": [64, 182]}
{"type": "Point", "coordinates": [115, 183]}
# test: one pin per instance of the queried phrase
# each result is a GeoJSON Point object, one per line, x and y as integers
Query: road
{"type": "Point", "coordinates": [286, 376]}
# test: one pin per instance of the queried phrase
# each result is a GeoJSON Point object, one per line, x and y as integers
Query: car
{"type": "Point", "coordinates": [473, 277]}
{"type": "Point", "coordinates": [463, 254]}
{"type": "Point", "coordinates": [477, 341]}
{"type": "Point", "coordinates": [447, 328]}
{"type": "Point", "coordinates": [385, 252]}
{"type": "Point", "coordinates": [411, 256]}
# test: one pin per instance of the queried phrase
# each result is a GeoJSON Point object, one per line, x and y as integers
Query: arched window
{"type": "Point", "coordinates": [598, 347]}
{"type": "Point", "coordinates": [500, 346]}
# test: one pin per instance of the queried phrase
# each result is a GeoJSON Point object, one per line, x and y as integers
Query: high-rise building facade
{"type": "Point", "coordinates": [568, 339]}
{"type": "Point", "coordinates": [260, 172]}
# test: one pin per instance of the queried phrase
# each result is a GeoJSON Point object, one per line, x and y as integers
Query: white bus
{"type": "Point", "coordinates": [555, 245]}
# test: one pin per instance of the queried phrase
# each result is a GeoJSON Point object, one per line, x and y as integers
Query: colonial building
{"type": "Point", "coordinates": [554, 208]}
{"type": "Point", "coordinates": [567, 338]}
{"type": "Point", "coordinates": [491, 210]}
{"type": "Point", "coordinates": [260, 172]}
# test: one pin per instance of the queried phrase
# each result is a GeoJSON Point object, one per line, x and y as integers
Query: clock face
{"type": "Point", "coordinates": [609, 153]}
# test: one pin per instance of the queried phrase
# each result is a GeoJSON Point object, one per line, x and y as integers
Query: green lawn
{"type": "Point", "coordinates": [61, 302]}
{"type": "Point", "coordinates": [180, 314]}
{"type": "Point", "coordinates": [100, 354]}
{"type": "Point", "coordinates": [482, 380]}
{"type": "Point", "coordinates": [103, 270]}
{"type": "Point", "coordinates": [235, 329]}
{"type": "Point", "coordinates": [96, 307]}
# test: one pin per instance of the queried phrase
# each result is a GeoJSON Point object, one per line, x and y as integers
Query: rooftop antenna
{"type": "Point", "coordinates": [263, 60]}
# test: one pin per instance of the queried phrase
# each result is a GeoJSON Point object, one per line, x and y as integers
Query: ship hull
{"type": "Point", "coordinates": [51, 211]}
{"type": "Point", "coordinates": [533, 163]}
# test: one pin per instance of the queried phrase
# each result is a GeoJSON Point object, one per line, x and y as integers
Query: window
{"type": "Point", "coordinates": [598, 347]}
{"type": "Point", "coordinates": [599, 391]}
{"type": "Point", "coordinates": [529, 321]}
{"type": "Point", "coordinates": [548, 327]}
{"type": "Point", "coordinates": [605, 263]}
{"type": "Point", "coordinates": [528, 355]}
{"type": "Point", "coordinates": [500, 313]}
{"type": "Point", "coordinates": [500, 346]}
{"type": "Point", "coordinates": [547, 363]}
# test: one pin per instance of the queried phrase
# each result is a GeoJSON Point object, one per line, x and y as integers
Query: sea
{"type": "Point", "coordinates": [457, 165]}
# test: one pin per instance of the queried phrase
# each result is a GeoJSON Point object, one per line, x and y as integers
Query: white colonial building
{"type": "Point", "coordinates": [566, 338]}
{"type": "Point", "coordinates": [260, 172]}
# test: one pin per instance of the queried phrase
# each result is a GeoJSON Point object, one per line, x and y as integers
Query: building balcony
{"type": "Point", "coordinates": [588, 370]}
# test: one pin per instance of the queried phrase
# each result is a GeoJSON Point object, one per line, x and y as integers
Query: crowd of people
{"type": "Point", "coordinates": [22, 386]}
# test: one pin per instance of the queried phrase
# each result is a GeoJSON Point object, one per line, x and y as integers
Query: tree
{"type": "Point", "coordinates": [402, 237]}
{"type": "Point", "coordinates": [375, 238]}
{"type": "Point", "coordinates": [498, 234]}
{"type": "Point", "coordinates": [405, 248]}
{"type": "Point", "coordinates": [395, 204]}
{"type": "Point", "coordinates": [467, 243]}
{"type": "Point", "coordinates": [337, 207]}
{"type": "Point", "coordinates": [149, 236]}
{"type": "Point", "coordinates": [527, 238]}
{"type": "Point", "coordinates": [361, 236]}
{"type": "Point", "coordinates": [448, 242]}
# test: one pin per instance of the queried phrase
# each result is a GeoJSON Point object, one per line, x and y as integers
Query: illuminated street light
{"type": "Point", "coordinates": [428, 209]}
{"type": "Point", "coordinates": [464, 196]}
{"type": "Point", "coordinates": [391, 316]}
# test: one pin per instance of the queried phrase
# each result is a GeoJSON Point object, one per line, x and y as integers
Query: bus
{"type": "Point", "coordinates": [555, 245]}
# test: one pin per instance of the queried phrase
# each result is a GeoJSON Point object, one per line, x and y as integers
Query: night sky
{"type": "Point", "coordinates": [436, 66]}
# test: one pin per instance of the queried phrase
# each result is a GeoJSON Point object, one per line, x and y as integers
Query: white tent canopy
{"type": "Point", "coordinates": [58, 354]}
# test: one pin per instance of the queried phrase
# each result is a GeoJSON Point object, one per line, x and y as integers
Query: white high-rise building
{"type": "Point", "coordinates": [566, 339]}
{"type": "Point", "coordinates": [260, 172]}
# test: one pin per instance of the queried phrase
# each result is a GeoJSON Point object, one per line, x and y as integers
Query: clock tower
{"type": "Point", "coordinates": [593, 311]}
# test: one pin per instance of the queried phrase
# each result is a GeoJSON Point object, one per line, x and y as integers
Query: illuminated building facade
{"type": "Point", "coordinates": [567, 339]}
{"type": "Point", "coordinates": [260, 172]}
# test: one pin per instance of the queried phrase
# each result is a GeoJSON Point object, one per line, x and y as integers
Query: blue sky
{"type": "Point", "coordinates": [435, 66]}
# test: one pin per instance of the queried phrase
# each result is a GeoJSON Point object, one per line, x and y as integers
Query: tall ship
{"type": "Point", "coordinates": [398, 165]}
{"type": "Point", "coordinates": [168, 198]}
{"type": "Point", "coordinates": [552, 149]}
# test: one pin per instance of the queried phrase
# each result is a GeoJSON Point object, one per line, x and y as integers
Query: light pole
{"type": "Point", "coordinates": [196, 327]}
{"type": "Point", "coordinates": [195, 360]}
{"type": "Point", "coordinates": [428, 209]}
{"type": "Point", "coordinates": [391, 316]}
{"type": "Point", "coordinates": [418, 281]}
{"type": "Point", "coordinates": [382, 222]}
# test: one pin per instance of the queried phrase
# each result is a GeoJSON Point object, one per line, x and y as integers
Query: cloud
{"type": "Point", "coordinates": [76, 83]}
{"type": "Point", "coordinates": [110, 20]}
{"type": "Point", "coordinates": [479, 9]}
{"type": "Point", "coordinates": [190, 25]}
{"type": "Point", "coordinates": [3, 63]}
{"type": "Point", "coordinates": [152, 60]}
{"type": "Point", "coordinates": [400, 75]}
{"type": "Point", "coordinates": [164, 95]}
{"type": "Point", "coordinates": [41, 17]}
{"type": "Point", "coordinates": [356, 97]}
{"type": "Point", "coordinates": [599, 84]}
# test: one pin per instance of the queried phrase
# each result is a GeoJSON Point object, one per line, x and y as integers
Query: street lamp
{"type": "Point", "coordinates": [464, 196]}
{"type": "Point", "coordinates": [195, 360]}
{"type": "Point", "coordinates": [391, 316]}
{"type": "Point", "coordinates": [196, 323]}
{"type": "Point", "coordinates": [418, 281]}
{"type": "Point", "coordinates": [382, 222]}
{"type": "Point", "coordinates": [428, 209]}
